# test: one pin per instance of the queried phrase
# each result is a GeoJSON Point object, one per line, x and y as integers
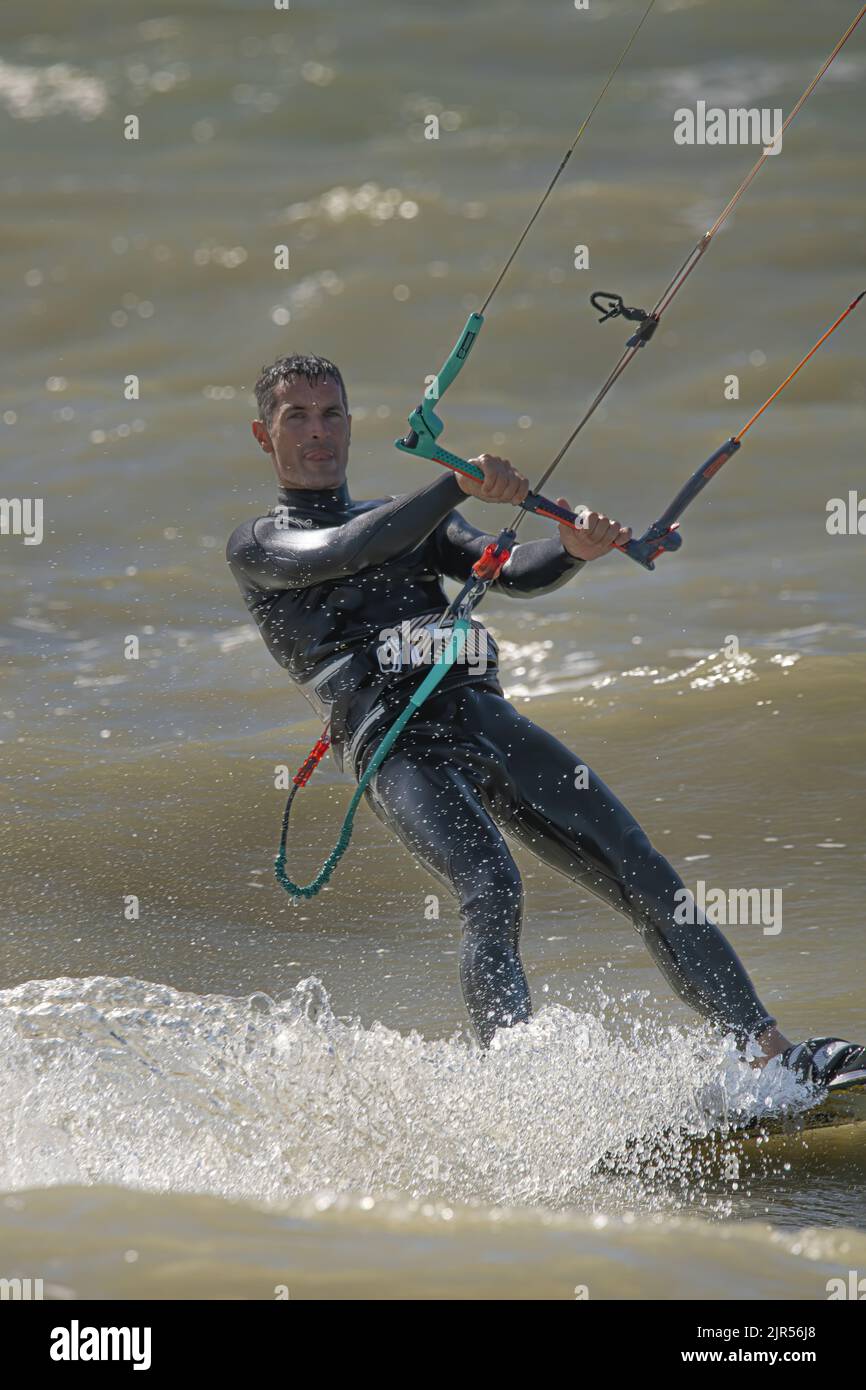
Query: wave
{"type": "Point", "coordinates": [124, 1081]}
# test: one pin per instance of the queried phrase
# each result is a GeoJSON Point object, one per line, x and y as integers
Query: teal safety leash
{"type": "Point", "coordinates": [483, 573]}
{"type": "Point", "coordinates": [452, 653]}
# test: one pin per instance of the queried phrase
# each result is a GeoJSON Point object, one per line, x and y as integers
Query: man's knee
{"type": "Point", "coordinates": [636, 844]}
{"type": "Point", "coordinates": [492, 880]}
{"type": "Point", "coordinates": [642, 866]}
{"type": "Point", "coordinates": [491, 899]}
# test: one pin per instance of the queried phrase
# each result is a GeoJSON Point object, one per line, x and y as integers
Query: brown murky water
{"type": "Point", "coordinates": [185, 1114]}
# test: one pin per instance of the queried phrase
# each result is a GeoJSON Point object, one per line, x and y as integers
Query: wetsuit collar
{"type": "Point", "coordinates": [327, 499]}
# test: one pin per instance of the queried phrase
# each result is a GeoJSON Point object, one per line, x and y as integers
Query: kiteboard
{"type": "Point", "coordinates": [844, 1106]}
{"type": "Point", "coordinates": [835, 1109]}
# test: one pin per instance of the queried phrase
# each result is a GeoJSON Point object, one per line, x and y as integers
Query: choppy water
{"type": "Point", "coordinates": [341, 1140]}
{"type": "Point", "coordinates": [238, 1142]}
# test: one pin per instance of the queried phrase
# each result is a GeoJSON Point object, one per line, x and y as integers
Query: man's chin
{"type": "Point", "coordinates": [323, 473]}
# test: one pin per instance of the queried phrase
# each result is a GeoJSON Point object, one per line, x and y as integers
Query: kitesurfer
{"type": "Point", "coordinates": [325, 576]}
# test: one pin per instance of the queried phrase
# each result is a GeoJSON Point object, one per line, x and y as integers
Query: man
{"type": "Point", "coordinates": [326, 578]}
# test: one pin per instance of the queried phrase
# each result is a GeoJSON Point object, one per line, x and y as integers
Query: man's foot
{"type": "Point", "coordinates": [771, 1043]}
{"type": "Point", "coordinates": [831, 1063]}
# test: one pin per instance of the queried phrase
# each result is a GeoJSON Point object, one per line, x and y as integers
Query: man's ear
{"type": "Point", "coordinates": [262, 437]}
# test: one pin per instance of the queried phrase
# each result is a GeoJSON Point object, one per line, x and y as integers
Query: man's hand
{"type": "Point", "coordinates": [600, 536]}
{"type": "Point", "coordinates": [502, 483]}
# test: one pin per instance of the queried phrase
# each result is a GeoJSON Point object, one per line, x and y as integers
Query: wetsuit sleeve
{"type": "Point", "coordinates": [535, 567]}
{"type": "Point", "coordinates": [285, 557]}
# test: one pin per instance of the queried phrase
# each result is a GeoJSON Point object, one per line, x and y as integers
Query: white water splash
{"type": "Point", "coordinates": [122, 1081]}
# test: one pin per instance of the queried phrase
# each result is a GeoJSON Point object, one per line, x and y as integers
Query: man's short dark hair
{"type": "Point", "coordinates": [314, 369]}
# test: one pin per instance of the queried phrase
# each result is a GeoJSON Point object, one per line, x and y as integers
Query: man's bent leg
{"type": "Point", "coordinates": [435, 809]}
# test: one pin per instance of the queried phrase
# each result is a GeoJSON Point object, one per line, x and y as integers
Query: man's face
{"type": "Point", "coordinates": [309, 434]}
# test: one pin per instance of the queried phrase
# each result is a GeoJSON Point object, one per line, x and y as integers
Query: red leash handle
{"type": "Point", "coordinates": [311, 762]}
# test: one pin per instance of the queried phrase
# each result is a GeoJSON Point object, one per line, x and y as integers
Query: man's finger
{"type": "Point", "coordinates": [498, 481]}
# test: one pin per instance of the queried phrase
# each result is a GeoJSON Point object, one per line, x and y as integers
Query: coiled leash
{"type": "Point", "coordinates": [484, 571]}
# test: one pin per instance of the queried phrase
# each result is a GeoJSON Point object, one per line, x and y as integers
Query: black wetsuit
{"type": "Point", "coordinates": [324, 577]}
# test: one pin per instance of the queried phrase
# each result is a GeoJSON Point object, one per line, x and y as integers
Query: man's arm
{"type": "Point", "coordinates": [286, 557]}
{"type": "Point", "coordinates": [534, 567]}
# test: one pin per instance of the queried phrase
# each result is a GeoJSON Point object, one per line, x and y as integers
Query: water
{"type": "Point", "coordinates": [345, 1142]}
{"type": "Point", "coordinates": [172, 1076]}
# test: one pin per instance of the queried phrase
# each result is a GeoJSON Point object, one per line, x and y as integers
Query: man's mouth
{"type": "Point", "coordinates": [319, 455]}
